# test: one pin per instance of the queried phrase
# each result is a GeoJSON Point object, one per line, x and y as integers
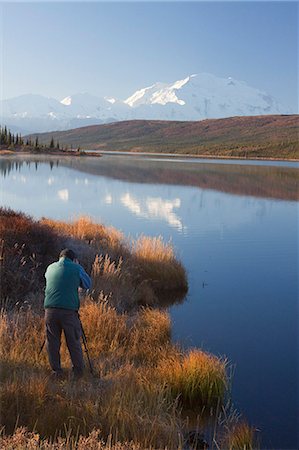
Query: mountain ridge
{"type": "Point", "coordinates": [196, 97]}
{"type": "Point", "coordinates": [274, 136]}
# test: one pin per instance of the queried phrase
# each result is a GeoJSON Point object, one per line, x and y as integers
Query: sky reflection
{"type": "Point", "coordinates": [240, 252]}
{"type": "Point", "coordinates": [69, 193]}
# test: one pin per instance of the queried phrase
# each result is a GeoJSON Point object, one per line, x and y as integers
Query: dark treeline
{"type": "Point", "coordinates": [8, 138]}
{"type": "Point", "coordinates": [11, 140]}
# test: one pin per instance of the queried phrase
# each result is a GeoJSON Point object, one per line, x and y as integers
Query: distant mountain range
{"type": "Point", "coordinates": [271, 136]}
{"type": "Point", "coordinates": [196, 97]}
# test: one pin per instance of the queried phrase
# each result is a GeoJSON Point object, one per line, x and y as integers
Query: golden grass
{"type": "Point", "coordinates": [122, 399]}
{"type": "Point", "coordinates": [198, 378]}
{"type": "Point", "coordinates": [241, 437]}
{"type": "Point", "coordinates": [137, 338]}
{"type": "Point", "coordinates": [157, 262]}
{"type": "Point", "coordinates": [134, 271]}
{"type": "Point", "coordinates": [142, 380]}
{"type": "Point", "coordinates": [132, 274]}
{"type": "Point", "coordinates": [132, 396]}
{"type": "Point", "coordinates": [101, 238]}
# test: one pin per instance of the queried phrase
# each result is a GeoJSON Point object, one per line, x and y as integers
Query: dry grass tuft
{"type": "Point", "coordinates": [156, 261]}
{"type": "Point", "coordinates": [111, 278]}
{"type": "Point", "coordinates": [100, 238]}
{"type": "Point", "coordinates": [139, 410]}
{"type": "Point", "coordinates": [198, 378]}
{"type": "Point", "coordinates": [241, 437]}
{"type": "Point", "coordinates": [125, 338]}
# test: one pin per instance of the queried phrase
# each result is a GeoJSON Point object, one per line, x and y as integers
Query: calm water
{"type": "Point", "coordinates": [235, 228]}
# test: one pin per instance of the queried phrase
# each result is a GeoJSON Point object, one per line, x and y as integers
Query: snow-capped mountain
{"type": "Point", "coordinates": [200, 97]}
{"type": "Point", "coordinates": [195, 97]}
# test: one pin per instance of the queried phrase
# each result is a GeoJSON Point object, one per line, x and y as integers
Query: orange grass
{"type": "Point", "coordinates": [132, 274]}
{"type": "Point", "coordinates": [131, 397]}
{"type": "Point", "coordinates": [122, 398]}
{"type": "Point", "coordinates": [198, 378]}
{"type": "Point", "coordinates": [142, 379]}
{"type": "Point", "coordinates": [100, 238]}
{"type": "Point", "coordinates": [157, 262]}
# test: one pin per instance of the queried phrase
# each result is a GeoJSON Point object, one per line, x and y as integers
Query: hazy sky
{"type": "Point", "coordinates": [58, 49]}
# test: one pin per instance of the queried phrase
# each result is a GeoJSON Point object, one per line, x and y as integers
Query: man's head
{"type": "Point", "coordinates": [68, 253]}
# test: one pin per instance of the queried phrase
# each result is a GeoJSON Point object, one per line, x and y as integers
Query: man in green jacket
{"type": "Point", "coordinates": [63, 278]}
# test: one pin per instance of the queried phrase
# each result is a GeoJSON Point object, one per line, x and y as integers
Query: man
{"type": "Point", "coordinates": [63, 278]}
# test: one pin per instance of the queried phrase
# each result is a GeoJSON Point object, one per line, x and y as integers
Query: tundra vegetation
{"type": "Point", "coordinates": [267, 136]}
{"type": "Point", "coordinates": [147, 393]}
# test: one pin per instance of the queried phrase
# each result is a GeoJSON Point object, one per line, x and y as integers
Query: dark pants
{"type": "Point", "coordinates": [67, 320]}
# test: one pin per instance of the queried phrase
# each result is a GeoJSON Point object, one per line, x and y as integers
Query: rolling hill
{"type": "Point", "coordinates": [271, 136]}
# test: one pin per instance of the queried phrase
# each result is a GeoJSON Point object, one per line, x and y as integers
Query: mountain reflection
{"type": "Point", "coordinates": [258, 181]}
{"type": "Point", "coordinates": [154, 208]}
{"type": "Point", "coordinates": [63, 195]}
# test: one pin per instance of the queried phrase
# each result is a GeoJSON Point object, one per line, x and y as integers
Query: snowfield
{"type": "Point", "coordinates": [196, 97]}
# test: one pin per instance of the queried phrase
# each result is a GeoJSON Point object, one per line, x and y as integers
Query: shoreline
{"type": "Point", "coordinates": [73, 153]}
{"type": "Point", "coordinates": [98, 154]}
{"type": "Point", "coordinates": [188, 155]}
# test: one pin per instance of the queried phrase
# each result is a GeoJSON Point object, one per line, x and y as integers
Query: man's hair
{"type": "Point", "coordinates": [67, 253]}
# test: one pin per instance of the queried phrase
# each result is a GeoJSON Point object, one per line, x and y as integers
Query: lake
{"type": "Point", "coordinates": [235, 227]}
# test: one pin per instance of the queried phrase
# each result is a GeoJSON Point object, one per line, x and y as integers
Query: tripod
{"type": "Point", "coordinates": [86, 348]}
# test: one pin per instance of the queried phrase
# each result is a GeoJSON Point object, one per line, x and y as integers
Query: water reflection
{"type": "Point", "coordinates": [240, 252]}
{"type": "Point", "coordinates": [13, 164]}
{"type": "Point", "coordinates": [167, 205]}
{"type": "Point", "coordinates": [258, 181]}
{"type": "Point", "coordinates": [154, 208]}
{"type": "Point", "coordinates": [108, 199]}
{"type": "Point", "coordinates": [63, 195]}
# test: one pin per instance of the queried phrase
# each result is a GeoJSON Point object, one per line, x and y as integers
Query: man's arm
{"type": "Point", "coordinates": [85, 280]}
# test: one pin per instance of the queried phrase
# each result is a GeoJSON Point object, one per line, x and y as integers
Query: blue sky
{"type": "Point", "coordinates": [58, 49]}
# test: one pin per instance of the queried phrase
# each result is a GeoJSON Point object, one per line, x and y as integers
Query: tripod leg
{"type": "Point", "coordinates": [42, 346]}
{"type": "Point", "coordinates": [86, 349]}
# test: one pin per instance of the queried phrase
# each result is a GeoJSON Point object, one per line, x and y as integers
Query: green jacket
{"type": "Point", "coordinates": [63, 279]}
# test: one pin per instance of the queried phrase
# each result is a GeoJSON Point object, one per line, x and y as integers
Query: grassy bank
{"type": "Point", "coordinates": [144, 386]}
